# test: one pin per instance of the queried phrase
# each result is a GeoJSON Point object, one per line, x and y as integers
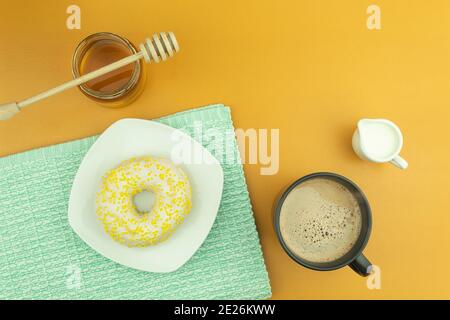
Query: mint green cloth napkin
{"type": "Point", "coordinates": [42, 258]}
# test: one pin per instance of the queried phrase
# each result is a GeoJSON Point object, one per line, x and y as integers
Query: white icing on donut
{"type": "Point", "coordinates": [118, 214]}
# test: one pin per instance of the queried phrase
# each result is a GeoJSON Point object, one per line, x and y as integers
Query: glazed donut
{"type": "Point", "coordinates": [120, 217]}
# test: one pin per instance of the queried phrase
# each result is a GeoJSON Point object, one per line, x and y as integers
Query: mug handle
{"type": "Point", "coordinates": [361, 265]}
{"type": "Point", "coordinates": [399, 162]}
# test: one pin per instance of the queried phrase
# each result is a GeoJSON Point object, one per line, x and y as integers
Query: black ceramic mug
{"type": "Point", "coordinates": [354, 258]}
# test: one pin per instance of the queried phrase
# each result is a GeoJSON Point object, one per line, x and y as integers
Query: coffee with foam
{"type": "Point", "coordinates": [320, 220]}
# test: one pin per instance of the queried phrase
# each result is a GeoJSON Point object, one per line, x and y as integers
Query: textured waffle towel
{"type": "Point", "coordinates": [42, 258]}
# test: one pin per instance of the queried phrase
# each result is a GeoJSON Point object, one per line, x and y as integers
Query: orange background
{"type": "Point", "coordinates": [311, 69]}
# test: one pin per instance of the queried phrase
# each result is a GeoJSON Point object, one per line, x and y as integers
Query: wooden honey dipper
{"type": "Point", "coordinates": [158, 48]}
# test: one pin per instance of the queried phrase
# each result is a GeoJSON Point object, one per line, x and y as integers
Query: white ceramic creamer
{"type": "Point", "coordinates": [379, 140]}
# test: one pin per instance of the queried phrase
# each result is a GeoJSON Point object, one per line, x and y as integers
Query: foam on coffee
{"type": "Point", "coordinates": [320, 220]}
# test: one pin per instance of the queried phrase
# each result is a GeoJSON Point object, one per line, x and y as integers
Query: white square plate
{"type": "Point", "coordinates": [129, 138]}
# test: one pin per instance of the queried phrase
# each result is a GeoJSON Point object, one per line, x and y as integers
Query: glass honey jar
{"type": "Point", "coordinates": [117, 88]}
